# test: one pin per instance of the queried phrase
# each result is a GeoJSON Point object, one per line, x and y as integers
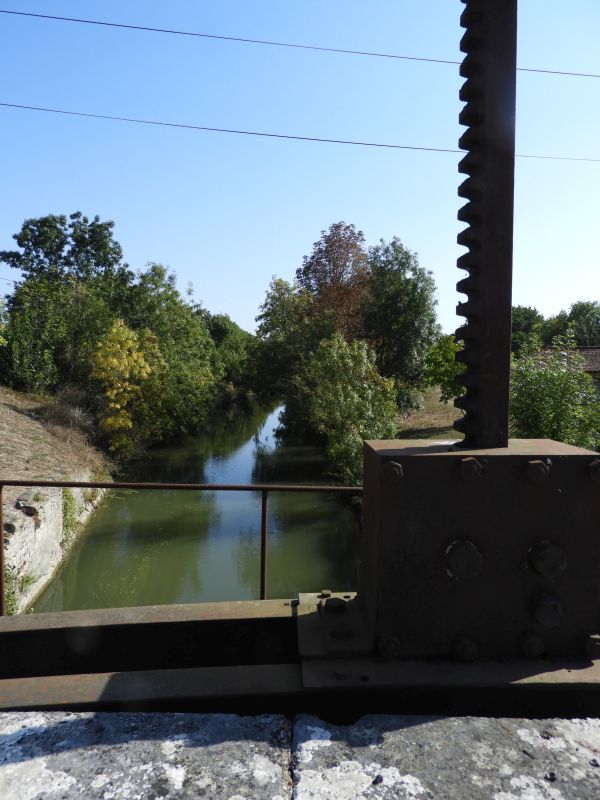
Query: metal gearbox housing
{"type": "Point", "coordinates": [489, 553]}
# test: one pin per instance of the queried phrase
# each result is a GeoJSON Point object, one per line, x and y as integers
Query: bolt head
{"type": "Point", "coordinates": [548, 611]}
{"type": "Point", "coordinates": [548, 559]}
{"type": "Point", "coordinates": [389, 646]}
{"type": "Point", "coordinates": [392, 472]}
{"type": "Point", "coordinates": [335, 605]}
{"type": "Point", "coordinates": [538, 470]}
{"type": "Point", "coordinates": [325, 593]}
{"type": "Point", "coordinates": [470, 468]}
{"type": "Point", "coordinates": [464, 560]}
{"type": "Point", "coordinates": [466, 649]}
{"type": "Point", "coordinates": [594, 470]}
{"type": "Point", "coordinates": [532, 645]}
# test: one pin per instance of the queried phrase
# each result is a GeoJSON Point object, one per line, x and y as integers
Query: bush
{"type": "Point", "coordinates": [347, 401]}
{"type": "Point", "coordinates": [552, 397]}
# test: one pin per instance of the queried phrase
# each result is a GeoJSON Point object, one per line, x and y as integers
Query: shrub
{"type": "Point", "coordinates": [552, 397]}
{"type": "Point", "coordinates": [348, 401]}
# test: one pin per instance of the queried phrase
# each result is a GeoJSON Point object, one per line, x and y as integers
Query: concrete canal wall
{"type": "Point", "coordinates": [40, 527]}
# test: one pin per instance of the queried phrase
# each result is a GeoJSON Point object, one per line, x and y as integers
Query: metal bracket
{"type": "Point", "coordinates": [332, 625]}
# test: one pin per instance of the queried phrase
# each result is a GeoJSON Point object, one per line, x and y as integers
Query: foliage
{"type": "Point", "coordinates": [584, 321]}
{"type": "Point", "coordinates": [348, 401]}
{"type": "Point", "coordinates": [69, 514]}
{"type": "Point", "coordinates": [10, 591]}
{"type": "Point", "coordinates": [553, 397]}
{"type": "Point", "coordinates": [526, 322]}
{"type": "Point", "coordinates": [233, 346]}
{"type": "Point", "coordinates": [121, 367]}
{"type": "Point", "coordinates": [53, 247]}
{"type": "Point", "coordinates": [289, 331]}
{"type": "Point", "coordinates": [399, 318]}
{"type": "Point", "coordinates": [442, 369]}
{"type": "Point", "coordinates": [335, 275]}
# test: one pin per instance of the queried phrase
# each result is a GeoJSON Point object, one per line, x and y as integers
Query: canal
{"type": "Point", "coordinates": [144, 548]}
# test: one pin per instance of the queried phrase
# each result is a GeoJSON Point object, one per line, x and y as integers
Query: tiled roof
{"type": "Point", "coordinates": [592, 358]}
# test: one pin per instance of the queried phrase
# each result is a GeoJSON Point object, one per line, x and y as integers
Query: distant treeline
{"type": "Point", "coordinates": [348, 346]}
{"type": "Point", "coordinates": [123, 349]}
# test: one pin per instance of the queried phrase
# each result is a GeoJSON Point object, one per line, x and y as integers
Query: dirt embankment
{"type": "Point", "coordinates": [42, 439]}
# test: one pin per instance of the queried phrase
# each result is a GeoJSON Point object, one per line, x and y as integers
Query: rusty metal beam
{"type": "Point", "coordinates": [489, 114]}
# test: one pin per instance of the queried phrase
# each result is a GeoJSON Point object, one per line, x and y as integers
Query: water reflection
{"type": "Point", "coordinates": [145, 547]}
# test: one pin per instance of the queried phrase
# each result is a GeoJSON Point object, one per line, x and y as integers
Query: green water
{"type": "Point", "coordinates": [144, 548]}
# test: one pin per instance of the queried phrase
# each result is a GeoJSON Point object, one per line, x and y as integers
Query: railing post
{"type": "Point", "coordinates": [264, 544]}
{"type": "Point", "coordinates": [2, 576]}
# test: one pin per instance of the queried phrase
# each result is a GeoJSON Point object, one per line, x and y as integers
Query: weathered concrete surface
{"type": "Point", "coordinates": [143, 756]}
{"type": "Point", "coordinates": [447, 759]}
{"type": "Point", "coordinates": [122, 756]}
{"type": "Point", "coordinates": [36, 541]}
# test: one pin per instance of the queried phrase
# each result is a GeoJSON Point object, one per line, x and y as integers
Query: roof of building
{"type": "Point", "coordinates": [592, 358]}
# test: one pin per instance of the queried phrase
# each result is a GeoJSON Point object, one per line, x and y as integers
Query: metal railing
{"type": "Point", "coordinates": [263, 488]}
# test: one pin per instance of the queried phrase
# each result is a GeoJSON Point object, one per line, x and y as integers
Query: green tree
{"type": "Point", "coordinates": [347, 402]}
{"type": "Point", "coordinates": [178, 394]}
{"type": "Point", "coordinates": [526, 322]}
{"type": "Point", "coordinates": [584, 320]}
{"type": "Point", "coordinates": [552, 397]}
{"type": "Point", "coordinates": [442, 369]}
{"type": "Point", "coordinates": [289, 331]}
{"type": "Point", "coordinates": [233, 345]}
{"type": "Point", "coordinates": [399, 317]}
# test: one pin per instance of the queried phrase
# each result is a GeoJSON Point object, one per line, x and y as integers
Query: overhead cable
{"type": "Point", "coordinates": [190, 126]}
{"type": "Point", "coordinates": [271, 43]}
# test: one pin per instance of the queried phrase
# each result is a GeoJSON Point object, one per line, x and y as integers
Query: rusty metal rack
{"type": "Point", "coordinates": [478, 586]}
{"type": "Point", "coordinates": [263, 488]}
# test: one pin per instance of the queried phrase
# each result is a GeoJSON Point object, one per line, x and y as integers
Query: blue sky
{"type": "Point", "coordinates": [228, 212]}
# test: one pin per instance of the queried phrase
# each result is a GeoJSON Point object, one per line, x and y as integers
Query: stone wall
{"type": "Point", "coordinates": [36, 538]}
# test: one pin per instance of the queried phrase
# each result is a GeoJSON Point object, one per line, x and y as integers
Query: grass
{"type": "Point", "coordinates": [69, 514]}
{"type": "Point", "coordinates": [432, 421]}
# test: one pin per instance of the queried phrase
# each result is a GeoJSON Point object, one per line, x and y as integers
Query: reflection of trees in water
{"type": "Point", "coordinates": [142, 549]}
{"type": "Point", "coordinates": [313, 543]}
{"type": "Point", "coordinates": [287, 465]}
{"type": "Point", "coordinates": [184, 460]}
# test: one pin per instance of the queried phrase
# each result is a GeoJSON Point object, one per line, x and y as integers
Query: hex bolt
{"type": "Point", "coordinates": [392, 472]}
{"type": "Point", "coordinates": [335, 605]}
{"type": "Point", "coordinates": [464, 560]}
{"type": "Point", "coordinates": [532, 645]}
{"type": "Point", "coordinates": [538, 470]}
{"type": "Point", "coordinates": [470, 468]}
{"type": "Point", "coordinates": [594, 469]}
{"type": "Point", "coordinates": [548, 611]}
{"type": "Point", "coordinates": [466, 649]}
{"type": "Point", "coordinates": [548, 559]}
{"type": "Point", "coordinates": [325, 593]}
{"type": "Point", "coordinates": [389, 646]}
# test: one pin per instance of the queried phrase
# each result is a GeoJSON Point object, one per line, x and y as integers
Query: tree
{"type": "Point", "coordinates": [442, 369]}
{"type": "Point", "coordinates": [120, 367]}
{"type": "Point", "coordinates": [526, 322]}
{"type": "Point", "coordinates": [335, 275]}
{"type": "Point", "coordinates": [289, 331]}
{"type": "Point", "coordinates": [399, 317]}
{"type": "Point", "coordinates": [347, 402]}
{"type": "Point", "coordinates": [584, 319]}
{"type": "Point", "coordinates": [54, 247]}
{"type": "Point", "coordinates": [552, 397]}
{"type": "Point", "coordinates": [182, 386]}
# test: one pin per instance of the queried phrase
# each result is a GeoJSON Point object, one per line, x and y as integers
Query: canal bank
{"type": "Point", "coordinates": [147, 548]}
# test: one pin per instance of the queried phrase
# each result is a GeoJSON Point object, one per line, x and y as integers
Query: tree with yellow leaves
{"type": "Point", "coordinates": [121, 367]}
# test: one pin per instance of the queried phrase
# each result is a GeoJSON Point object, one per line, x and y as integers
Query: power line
{"type": "Point", "coordinates": [227, 130]}
{"type": "Point", "coordinates": [270, 43]}
{"type": "Point", "coordinates": [189, 126]}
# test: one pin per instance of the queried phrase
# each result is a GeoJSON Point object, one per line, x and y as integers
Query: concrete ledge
{"type": "Point", "coordinates": [124, 756]}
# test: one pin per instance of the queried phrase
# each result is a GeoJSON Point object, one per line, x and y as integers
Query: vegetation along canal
{"type": "Point", "coordinates": [144, 547]}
